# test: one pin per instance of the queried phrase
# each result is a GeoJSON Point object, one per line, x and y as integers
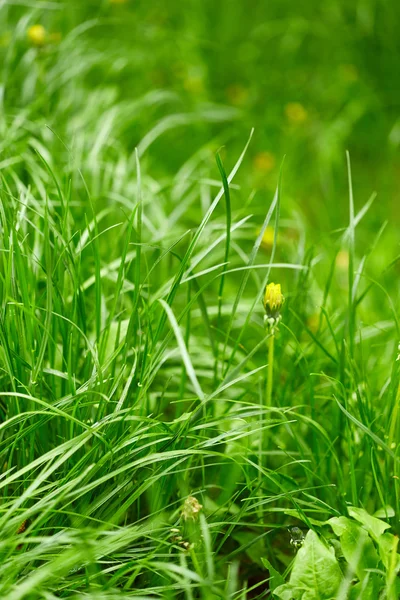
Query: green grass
{"type": "Point", "coordinates": [134, 253]}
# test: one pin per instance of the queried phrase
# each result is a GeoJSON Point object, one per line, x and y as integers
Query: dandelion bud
{"type": "Point", "coordinates": [272, 301]}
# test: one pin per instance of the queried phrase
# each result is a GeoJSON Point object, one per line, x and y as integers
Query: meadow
{"type": "Point", "coordinates": [173, 424]}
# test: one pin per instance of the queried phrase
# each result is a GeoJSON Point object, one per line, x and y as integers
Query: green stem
{"type": "Point", "coordinates": [262, 440]}
{"type": "Point", "coordinates": [393, 421]}
{"type": "Point", "coordinates": [270, 372]}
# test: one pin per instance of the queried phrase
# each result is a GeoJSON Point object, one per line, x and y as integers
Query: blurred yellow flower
{"type": "Point", "coordinates": [193, 84]}
{"type": "Point", "coordinates": [296, 113]}
{"type": "Point", "coordinates": [342, 260]}
{"type": "Point", "coordinates": [37, 35]}
{"type": "Point", "coordinates": [273, 300]}
{"type": "Point", "coordinates": [237, 94]}
{"type": "Point", "coordinates": [313, 322]}
{"type": "Point", "coordinates": [268, 237]}
{"type": "Point", "coordinates": [264, 162]}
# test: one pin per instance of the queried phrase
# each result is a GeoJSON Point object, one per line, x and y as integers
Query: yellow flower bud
{"type": "Point", "coordinates": [37, 35]}
{"type": "Point", "coordinates": [273, 300]}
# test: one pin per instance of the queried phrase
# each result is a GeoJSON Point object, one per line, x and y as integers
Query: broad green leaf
{"type": "Point", "coordinates": [284, 592]}
{"type": "Point", "coordinates": [357, 547]}
{"type": "Point", "coordinates": [276, 578]}
{"type": "Point", "coordinates": [368, 589]}
{"type": "Point", "coordinates": [316, 574]}
{"type": "Point", "coordinates": [385, 512]}
{"type": "Point", "coordinates": [374, 526]}
{"type": "Point", "coordinates": [387, 546]}
{"type": "Point", "coordinates": [387, 542]}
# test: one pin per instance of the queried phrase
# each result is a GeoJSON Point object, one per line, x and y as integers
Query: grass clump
{"type": "Point", "coordinates": [149, 447]}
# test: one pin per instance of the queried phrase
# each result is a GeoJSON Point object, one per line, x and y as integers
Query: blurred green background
{"type": "Point", "coordinates": [314, 79]}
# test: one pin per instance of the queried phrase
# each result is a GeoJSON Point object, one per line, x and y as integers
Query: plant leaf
{"type": "Point", "coordinates": [374, 526]}
{"type": "Point", "coordinates": [385, 512]}
{"type": "Point", "coordinates": [368, 589]}
{"type": "Point", "coordinates": [316, 574]}
{"type": "Point", "coordinates": [387, 545]}
{"type": "Point", "coordinates": [276, 578]}
{"type": "Point", "coordinates": [357, 547]}
{"type": "Point", "coordinates": [284, 592]}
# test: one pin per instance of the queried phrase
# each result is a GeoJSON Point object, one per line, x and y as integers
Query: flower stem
{"type": "Point", "coordinates": [262, 440]}
{"type": "Point", "coordinates": [270, 372]}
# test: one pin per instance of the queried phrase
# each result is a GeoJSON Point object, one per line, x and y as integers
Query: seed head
{"type": "Point", "coordinates": [191, 508]}
{"type": "Point", "coordinates": [37, 35]}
